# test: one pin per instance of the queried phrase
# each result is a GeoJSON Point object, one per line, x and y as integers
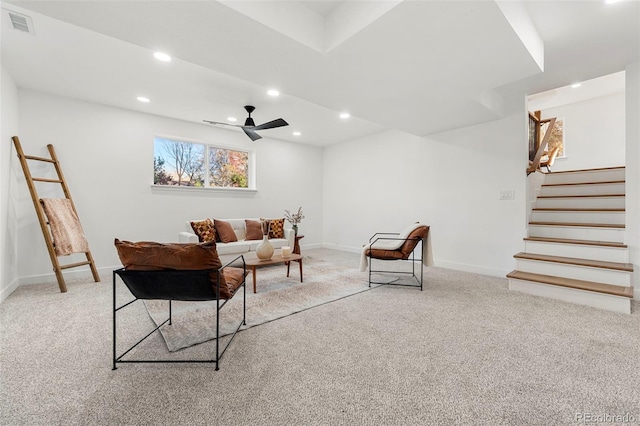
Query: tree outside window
{"type": "Point", "coordinates": [228, 168]}
{"type": "Point", "coordinates": [557, 136]}
{"type": "Point", "coordinates": [180, 163]}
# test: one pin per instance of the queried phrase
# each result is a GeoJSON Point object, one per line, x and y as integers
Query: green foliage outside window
{"type": "Point", "coordinates": [228, 168]}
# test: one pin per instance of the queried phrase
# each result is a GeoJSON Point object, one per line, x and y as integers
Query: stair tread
{"type": "Point", "coordinates": [582, 196]}
{"type": "Point", "coordinates": [587, 170]}
{"type": "Point", "coordinates": [580, 209]}
{"type": "Point", "coordinates": [587, 225]}
{"type": "Point", "coordinates": [573, 241]}
{"type": "Point", "coordinates": [606, 182]}
{"type": "Point", "coordinates": [618, 266]}
{"type": "Point", "coordinates": [615, 290]}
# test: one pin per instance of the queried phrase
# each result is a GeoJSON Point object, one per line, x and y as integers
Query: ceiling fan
{"type": "Point", "coordinates": [250, 127]}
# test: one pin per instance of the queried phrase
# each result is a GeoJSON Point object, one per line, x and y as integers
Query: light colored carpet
{"type": "Point", "coordinates": [465, 351]}
{"type": "Point", "coordinates": [277, 296]}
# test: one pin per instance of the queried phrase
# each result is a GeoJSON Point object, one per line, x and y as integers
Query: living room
{"type": "Point", "coordinates": [380, 179]}
{"type": "Point", "coordinates": [457, 157]}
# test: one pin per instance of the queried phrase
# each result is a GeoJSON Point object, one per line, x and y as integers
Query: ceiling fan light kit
{"type": "Point", "coordinates": [250, 127]}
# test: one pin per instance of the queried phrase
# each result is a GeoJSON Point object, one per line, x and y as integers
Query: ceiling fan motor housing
{"type": "Point", "coordinates": [249, 121]}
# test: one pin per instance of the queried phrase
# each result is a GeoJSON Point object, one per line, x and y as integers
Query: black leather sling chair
{"type": "Point", "coordinates": [406, 252]}
{"type": "Point", "coordinates": [185, 272]}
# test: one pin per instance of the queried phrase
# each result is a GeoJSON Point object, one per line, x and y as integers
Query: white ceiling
{"type": "Point", "coordinates": [417, 66]}
{"type": "Point", "coordinates": [322, 7]}
{"type": "Point", "coordinates": [585, 90]}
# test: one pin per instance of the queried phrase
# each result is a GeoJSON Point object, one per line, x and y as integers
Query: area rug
{"type": "Point", "coordinates": [277, 297]}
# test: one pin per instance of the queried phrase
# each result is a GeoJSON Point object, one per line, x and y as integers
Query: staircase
{"type": "Point", "coordinates": [575, 247]}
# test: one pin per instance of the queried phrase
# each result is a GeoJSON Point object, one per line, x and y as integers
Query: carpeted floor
{"type": "Point", "coordinates": [463, 351]}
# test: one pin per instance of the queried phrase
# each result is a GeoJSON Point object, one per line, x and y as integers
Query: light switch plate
{"type": "Point", "coordinates": [508, 194]}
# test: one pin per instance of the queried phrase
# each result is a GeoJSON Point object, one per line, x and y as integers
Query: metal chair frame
{"type": "Point", "coordinates": [419, 281]}
{"type": "Point", "coordinates": [186, 285]}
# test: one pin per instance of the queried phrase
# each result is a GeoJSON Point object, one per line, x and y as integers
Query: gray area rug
{"type": "Point", "coordinates": [277, 296]}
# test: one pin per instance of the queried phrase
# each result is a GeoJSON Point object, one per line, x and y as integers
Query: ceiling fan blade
{"type": "Point", "coordinates": [271, 124]}
{"type": "Point", "coordinates": [253, 135]}
{"type": "Point", "coordinates": [224, 124]}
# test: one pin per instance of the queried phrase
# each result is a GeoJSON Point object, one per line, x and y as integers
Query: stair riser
{"type": "Point", "coordinates": [578, 233]}
{"type": "Point", "coordinates": [581, 297]}
{"type": "Point", "coordinates": [578, 251]}
{"type": "Point", "coordinates": [594, 189]}
{"type": "Point", "coordinates": [576, 272]}
{"type": "Point", "coordinates": [586, 176]}
{"type": "Point", "coordinates": [616, 218]}
{"type": "Point", "coordinates": [581, 203]}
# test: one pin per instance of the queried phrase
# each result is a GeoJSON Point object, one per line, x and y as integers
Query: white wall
{"type": "Point", "coordinates": [107, 158]}
{"type": "Point", "coordinates": [8, 197]}
{"type": "Point", "coordinates": [374, 184]}
{"type": "Point", "coordinates": [594, 133]}
{"type": "Point", "coordinates": [632, 173]}
{"type": "Point", "coordinates": [450, 181]}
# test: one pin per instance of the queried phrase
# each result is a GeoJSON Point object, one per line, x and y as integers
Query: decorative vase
{"type": "Point", "coordinates": [295, 230]}
{"type": "Point", "coordinates": [264, 251]}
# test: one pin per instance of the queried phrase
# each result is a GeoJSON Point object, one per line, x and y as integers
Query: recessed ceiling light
{"type": "Point", "coordinates": [232, 119]}
{"type": "Point", "coordinates": [162, 56]}
{"type": "Point", "coordinates": [345, 115]}
{"type": "Point", "coordinates": [143, 99]}
{"type": "Point", "coordinates": [273, 92]}
{"type": "Point", "coordinates": [296, 133]}
{"type": "Point", "coordinates": [576, 85]}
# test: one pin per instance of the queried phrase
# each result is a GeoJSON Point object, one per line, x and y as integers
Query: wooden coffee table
{"type": "Point", "coordinates": [254, 263]}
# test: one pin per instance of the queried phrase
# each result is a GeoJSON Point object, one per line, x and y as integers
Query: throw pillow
{"type": "Point", "coordinates": [204, 230]}
{"type": "Point", "coordinates": [276, 228]}
{"type": "Point", "coordinates": [224, 230]}
{"type": "Point", "coordinates": [254, 230]}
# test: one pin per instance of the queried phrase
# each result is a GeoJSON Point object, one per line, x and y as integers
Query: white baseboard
{"type": "Point", "coordinates": [437, 262]}
{"type": "Point", "coordinates": [311, 246]}
{"type": "Point", "coordinates": [5, 292]}
{"type": "Point", "coordinates": [471, 268]}
{"type": "Point", "coordinates": [339, 247]}
{"type": "Point", "coordinates": [75, 274]}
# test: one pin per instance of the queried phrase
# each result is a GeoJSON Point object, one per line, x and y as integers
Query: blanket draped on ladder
{"type": "Point", "coordinates": [68, 235]}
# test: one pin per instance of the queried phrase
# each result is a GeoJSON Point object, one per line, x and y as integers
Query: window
{"type": "Point", "coordinates": [557, 136]}
{"type": "Point", "coordinates": [182, 163]}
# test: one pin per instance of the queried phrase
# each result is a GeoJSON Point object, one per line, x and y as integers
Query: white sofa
{"type": "Point", "coordinates": [242, 245]}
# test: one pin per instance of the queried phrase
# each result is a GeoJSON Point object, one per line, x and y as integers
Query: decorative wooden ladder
{"type": "Point", "coordinates": [575, 248]}
{"type": "Point", "coordinates": [57, 267]}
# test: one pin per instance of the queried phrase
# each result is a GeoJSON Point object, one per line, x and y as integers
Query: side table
{"type": "Point", "coordinates": [296, 250]}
